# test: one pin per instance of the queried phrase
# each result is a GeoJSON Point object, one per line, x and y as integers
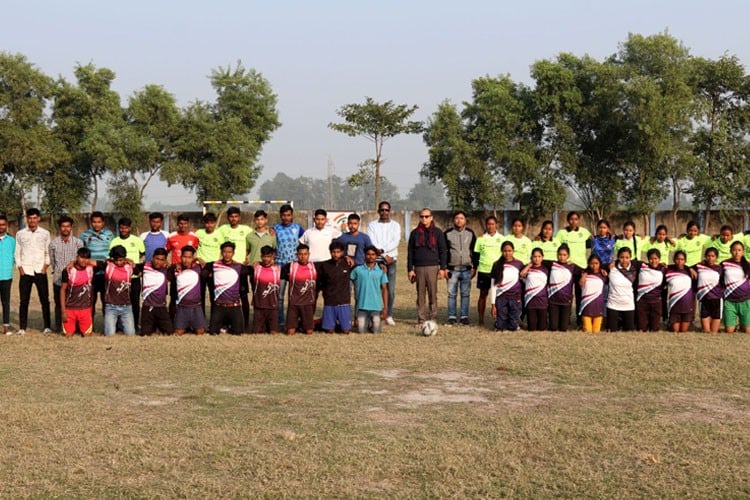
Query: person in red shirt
{"type": "Point", "coordinates": [183, 237]}
{"type": "Point", "coordinates": [76, 295]}
{"type": "Point", "coordinates": [302, 277]}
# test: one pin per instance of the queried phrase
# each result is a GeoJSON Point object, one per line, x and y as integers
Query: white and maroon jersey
{"type": "Point", "coordinates": [226, 281]}
{"type": "Point", "coordinates": [650, 284]}
{"type": "Point", "coordinates": [709, 284]}
{"type": "Point", "coordinates": [680, 297]}
{"type": "Point", "coordinates": [154, 290]}
{"type": "Point", "coordinates": [592, 295]}
{"type": "Point", "coordinates": [266, 286]}
{"type": "Point", "coordinates": [736, 282]}
{"type": "Point", "coordinates": [561, 283]}
{"type": "Point", "coordinates": [302, 282]}
{"type": "Point", "coordinates": [188, 284]}
{"type": "Point", "coordinates": [535, 293]}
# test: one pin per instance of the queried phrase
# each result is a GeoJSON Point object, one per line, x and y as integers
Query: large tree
{"type": "Point", "coordinates": [30, 152]}
{"type": "Point", "coordinates": [376, 122]}
{"type": "Point", "coordinates": [220, 143]}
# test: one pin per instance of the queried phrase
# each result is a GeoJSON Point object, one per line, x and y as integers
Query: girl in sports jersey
{"type": "Point", "coordinates": [546, 241]}
{"type": "Point", "coordinates": [603, 243]}
{"type": "Point", "coordinates": [592, 284]}
{"type": "Point", "coordinates": [709, 291]}
{"type": "Point", "coordinates": [621, 296]}
{"type": "Point", "coordinates": [692, 244]}
{"type": "Point", "coordinates": [735, 278]}
{"type": "Point", "coordinates": [648, 305]}
{"type": "Point", "coordinates": [680, 296]}
{"type": "Point", "coordinates": [506, 284]}
{"type": "Point", "coordinates": [521, 243]}
{"type": "Point", "coordinates": [536, 278]}
{"type": "Point", "coordinates": [662, 242]}
{"type": "Point", "coordinates": [723, 243]}
{"type": "Point", "coordinates": [628, 239]}
{"type": "Point", "coordinates": [562, 275]}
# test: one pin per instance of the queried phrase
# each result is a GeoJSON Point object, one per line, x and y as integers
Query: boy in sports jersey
{"type": "Point", "coordinates": [135, 249]}
{"type": "Point", "coordinates": [154, 314]}
{"type": "Point", "coordinates": [97, 239]}
{"type": "Point", "coordinates": [186, 277]}
{"type": "Point", "coordinates": [261, 236]}
{"type": "Point", "coordinates": [226, 274]}
{"type": "Point", "coordinates": [301, 277]}
{"type": "Point", "coordinates": [76, 295]}
{"type": "Point", "coordinates": [488, 249]}
{"type": "Point", "coordinates": [177, 240]}
{"type": "Point", "coordinates": [333, 280]}
{"type": "Point", "coordinates": [266, 282]}
{"type": "Point", "coordinates": [209, 250]}
{"type": "Point", "coordinates": [156, 237]}
{"type": "Point", "coordinates": [288, 234]}
{"type": "Point", "coordinates": [118, 279]}
{"type": "Point", "coordinates": [237, 233]}
{"type": "Point", "coordinates": [371, 288]}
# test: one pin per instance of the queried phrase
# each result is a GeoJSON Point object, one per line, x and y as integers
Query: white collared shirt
{"type": "Point", "coordinates": [385, 236]}
{"type": "Point", "coordinates": [32, 250]}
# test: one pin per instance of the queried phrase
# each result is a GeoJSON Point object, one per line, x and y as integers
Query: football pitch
{"type": "Point", "coordinates": [467, 413]}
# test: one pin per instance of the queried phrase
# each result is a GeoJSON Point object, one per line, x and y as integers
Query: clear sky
{"type": "Point", "coordinates": [319, 55]}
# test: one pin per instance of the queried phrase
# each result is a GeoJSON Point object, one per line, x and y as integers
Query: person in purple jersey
{"type": "Point", "coordinates": [154, 313]}
{"type": "Point", "coordinates": [563, 274]}
{"type": "Point", "coordinates": [680, 295]}
{"type": "Point", "coordinates": [506, 284]}
{"type": "Point", "coordinates": [735, 277]}
{"type": "Point", "coordinates": [227, 275]}
{"type": "Point", "coordinates": [709, 291]}
{"type": "Point", "coordinates": [649, 291]}
{"type": "Point", "coordinates": [592, 281]}
{"type": "Point", "coordinates": [186, 277]}
{"type": "Point", "coordinates": [535, 299]}
{"type": "Point", "coordinates": [156, 237]}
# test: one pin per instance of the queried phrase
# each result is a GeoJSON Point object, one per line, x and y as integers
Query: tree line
{"type": "Point", "coordinates": [624, 133]}
{"type": "Point", "coordinates": [62, 139]}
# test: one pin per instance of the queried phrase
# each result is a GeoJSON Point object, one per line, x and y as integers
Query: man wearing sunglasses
{"type": "Point", "coordinates": [427, 261]}
{"type": "Point", "coordinates": [385, 235]}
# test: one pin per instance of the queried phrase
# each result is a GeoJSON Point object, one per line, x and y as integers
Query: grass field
{"type": "Point", "coordinates": [467, 413]}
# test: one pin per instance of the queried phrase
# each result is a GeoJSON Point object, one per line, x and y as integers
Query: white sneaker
{"type": "Point", "coordinates": [222, 330]}
{"type": "Point", "coordinates": [20, 331]}
{"type": "Point", "coordinates": [46, 331]}
{"type": "Point", "coordinates": [389, 321]}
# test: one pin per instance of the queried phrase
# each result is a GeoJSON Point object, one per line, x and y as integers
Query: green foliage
{"type": "Point", "coordinates": [376, 122]}
{"type": "Point", "coordinates": [427, 193]}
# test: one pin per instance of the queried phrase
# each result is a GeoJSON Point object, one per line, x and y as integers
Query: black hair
{"type": "Point", "coordinates": [353, 217]}
{"type": "Point", "coordinates": [183, 217]}
{"type": "Point", "coordinates": [320, 211]}
{"type": "Point", "coordinates": [65, 219]}
{"type": "Point", "coordinates": [380, 205]}
{"type": "Point", "coordinates": [371, 248]}
{"type": "Point", "coordinates": [743, 261]}
{"type": "Point", "coordinates": [155, 215]}
{"type": "Point", "coordinates": [267, 250]}
{"type": "Point", "coordinates": [336, 245]}
{"type": "Point", "coordinates": [565, 247]}
{"type": "Point", "coordinates": [260, 213]}
{"type": "Point", "coordinates": [33, 211]}
{"type": "Point", "coordinates": [491, 217]}
{"type": "Point", "coordinates": [118, 252]}
{"type": "Point", "coordinates": [541, 229]}
{"type": "Point", "coordinates": [679, 252]}
{"type": "Point", "coordinates": [4, 217]}
{"type": "Point", "coordinates": [623, 250]}
{"type": "Point", "coordinates": [459, 212]}
{"type": "Point", "coordinates": [227, 244]}
{"type": "Point", "coordinates": [209, 217]}
{"type": "Point", "coordinates": [302, 246]}
{"type": "Point", "coordinates": [285, 208]}
{"type": "Point", "coordinates": [653, 251]}
{"type": "Point", "coordinates": [233, 210]}
{"type": "Point", "coordinates": [187, 248]}
{"type": "Point", "coordinates": [537, 249]}
{"type": "Point", "coordinates": [507, 244]}
{"type": "Point", "coordinates": [160, 251]}
{"type": "Point", "coordinates": [125, 221]}
{"type": "Point", "coordinates": [96, 214]}
{"type": "Point", "coordinates": [84, 252]}
{"type": "Point", "coordinates": [692, 224]}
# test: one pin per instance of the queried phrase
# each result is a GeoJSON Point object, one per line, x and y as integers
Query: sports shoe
{"type": "Point", "coordinates": [46, 331]}
{"type": "Point", "coordinates": [20, 331]}
{"type": "Point", "coordinates": [222, 330]}
{"type": "Point", "coordinates": [465, 321]}
{"type": "Point", "coordinates": [451, 321]}
{"type": "Point", "coordinates": [389, 321]}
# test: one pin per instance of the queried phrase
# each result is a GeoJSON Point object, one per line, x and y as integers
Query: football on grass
{"type": "Point", "coordinates": [428, 328]}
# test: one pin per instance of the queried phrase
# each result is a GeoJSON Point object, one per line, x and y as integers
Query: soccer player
{"type": "Point", "coordinates": [62, 251]}
{"type": "Point", "coordinates": [156, 237]}
{"type": "Point", "coordinates": [301, 276]}
{"type": "Point", "coordinates": [648, 307]}
{"type": "Point", "coordinates": [333, 280]}
{"type": "Point", "coordinates": [181, 238]}
{"type": "Point", "coordinates": [154, 314]}
{"type": "Point", "coordinates": [546, 241]}
{"type": "Point", "coordinates": [97, 239]}
{"type": "Point", "coordinates": [462, 266]}
{"type": "Point", "coordinates": [187, 283]}
{"type": "Point", "coordinates": [119, 277]}
{"type": "Point", "coordinates": [735, 278]}
{"type": "Point", "coordinates": [237, 233]}
{"type": "Point", "coordinates": [209, 250]}
{"type": "Point", "coordinates": [32, 259]}
{"type": "Point", "coordinates": [623, 275]}
{"type": "Point", "coordinates": [576, 237]}
{"type": "Point", "coordinates": [603, 243]}
{"type": "Point", "coordinates": [226, 274]}
{"type": "Point", "coordinates": [692, 244]}
{"type": "Point", "coordinates": [521, 243]}
{"type": "Point", "coordinates": [723, 243]}
{"type": "Point", "coordinates": [661, 242]}
{"type": "Point", "coordinates": [261, 236]}
{"type": "Point", "coordinates": [354, 241]}
{"type": "Point", "coordinates": [385, 235]}
{"type": "Point", "coordinates": [535, 298]}
{"type": "Point", "coordinates": [288, 234]}
{"type": "Point", "coordinates": [135, 249]}
{"type": "Point", "coordinates": [488, 248]}
{"type": "Point", "coordinates": [371, 288]}
{"type": "Point", "coordinates": [709, 291]}
{"type": "Point", "coordinates": [592, 283]}
{"type": "Point", "coordinates": [562, 276]}
{"type": "Point", "coordinates": [7, 263]}
{"type": "Point", "coordinates": [76, 287]}
{"type": "Point", "coordinates": [320, 236]}
{"type": "Point", "coordinates": [680, 296]}
{"type": "Point", "coordinates": [506, 284]}
{"type": "Point", "coordinates": [266, 282]}
{"type": "Point", "coordinates": [628, 239]}
{"type": "Point", "coordinates": [426, 262]}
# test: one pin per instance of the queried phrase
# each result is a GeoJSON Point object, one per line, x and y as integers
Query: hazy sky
{"type": "Point", "coordinates": [320, 55]}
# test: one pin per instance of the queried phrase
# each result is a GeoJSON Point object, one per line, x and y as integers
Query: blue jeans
{"type": "Point", "coordinates": [282, 293]}
{"type": "Point", "coordinates": [459, 276]}
{"type": "Point", "coordinates": [391, 286]}
{"type": "Point", "coordinates": [124, 313]}
{"type": "Point", "coordinates": [508, 313]}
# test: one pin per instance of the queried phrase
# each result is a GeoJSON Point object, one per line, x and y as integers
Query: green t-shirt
{"type": "Point", "coordinates": [724, 249]}
{"type": "Point", "coordinates": [522, 248]}
{"type": "Point", "coordinates": [238, 236]}
{"type": "Point", "coordinates": [635, 245]}
{"type": "Point", "coordinates": [747, 246]}
{"type": "Point", "coordinates": [488, 248]}
{"type": "Point", "coordinates": [664, 248]}
{"type": "Point", "coordinates": [256, 241]}
{"type": "Point", "coordinates": [693, 248]}
{"type": "Point", "coordinates": [134, 246]}
{"type": "Point", "coordinates": [548, 247]}
{"type": "Point", "coordinates": [209, 249]}
{"type": "Point", "coordinates": [576, 241]}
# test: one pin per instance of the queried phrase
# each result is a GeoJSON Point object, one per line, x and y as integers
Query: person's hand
{"type": "Point", "coordinates": [20, 271]}
{"type": "Point", "coordinates": [64, 316]}
{"type": "Point", "coordinates": [383, 314]}
{"type": "Point", "coordinates": [443, 274]}
{"type": "Point", "coordinates": [412, 276]}
{"type": "Point", "coordinates": [388, 259]}
{"type": "Point", "coordinates": [494, 311]}
{"type": "Point", "coordinates": [44, 268]}
{"type": "Point", "coordinates": [693, 274]}
{"type": "Point", "coordinates": [473, 272]}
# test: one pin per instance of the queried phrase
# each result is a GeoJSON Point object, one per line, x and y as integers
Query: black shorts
{"type": "Point", "coordinates": [156, 318]}
{"type": "Point", "coordinates": [189, 317]}
{"type": "Point", "coordinates": [300, 314]}
{"type": "Point", "coordinates": [711, 308]}
{"type": "Point", "coordinates": [675, 317]}
{"type": "Point", "coordinates": [484, 280]}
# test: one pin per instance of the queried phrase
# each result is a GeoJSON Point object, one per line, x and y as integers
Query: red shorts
{"type": "Point", "coordinates": [80, 316]}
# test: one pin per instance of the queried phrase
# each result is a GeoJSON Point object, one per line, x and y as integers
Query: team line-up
{"type": "Point", "coordinates": [158, 282]}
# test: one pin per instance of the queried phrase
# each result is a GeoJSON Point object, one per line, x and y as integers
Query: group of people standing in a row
{"type": "Point", "coordinates": [628, 279]}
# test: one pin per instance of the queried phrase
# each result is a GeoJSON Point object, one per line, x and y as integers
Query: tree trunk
{"type": "Point", "coordinates": [377, 181]}
{"type": "Point", "coordinates": [23, 204]}
{"type": "Point", "coordinates": [95, 196]}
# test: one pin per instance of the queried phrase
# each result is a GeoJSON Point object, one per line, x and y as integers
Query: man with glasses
{"type": "Point", "coordinates": [427, 261]}
{"type": "Point", "coordinates": [385, 235]}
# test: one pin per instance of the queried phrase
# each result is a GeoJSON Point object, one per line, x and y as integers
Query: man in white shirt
{"type": "Point", "coordinates": [320, 236]}
{"type": "Point", "coordinates": [32, 259]}
{"type": "Point", "coordinates": [385, 235]}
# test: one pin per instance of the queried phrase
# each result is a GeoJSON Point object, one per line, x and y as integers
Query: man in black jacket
{"type": "Point", "coordinates": [427, 261]}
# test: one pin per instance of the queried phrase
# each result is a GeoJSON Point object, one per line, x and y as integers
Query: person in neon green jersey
{"type": "Point", "coordinates": [488, 247]}
{"type": "Point", "coordinates": [546, 240]}
{"type": "Point", "coordinates": [661, 242]}
{"type": "Point", "coordinates": [576, 237]}
{"type": "Point", "coordinates": [692, 244]}
{"type": "Point", "coordinates": [628, 239]}
{"type": "Point", "coordinates": [723, 243]}
{"type": "Point", "coordinates": [521, 243]}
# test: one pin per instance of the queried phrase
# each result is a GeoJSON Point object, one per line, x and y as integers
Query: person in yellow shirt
{"type": "Point", "coordinates": [488, 247]}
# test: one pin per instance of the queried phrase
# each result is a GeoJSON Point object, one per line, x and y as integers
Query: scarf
{"type": "Point", "coordinates": [426, 237]}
